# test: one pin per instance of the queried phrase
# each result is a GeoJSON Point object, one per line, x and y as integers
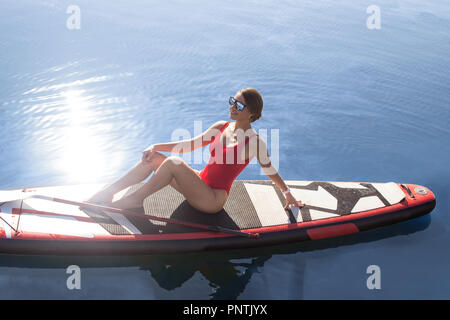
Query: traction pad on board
{"type": "Point", "coordinates": [238, 213]}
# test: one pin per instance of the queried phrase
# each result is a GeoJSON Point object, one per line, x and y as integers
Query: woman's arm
{"type": "Point", "coordinates": [184, 146]}
{"type": "Point", "coordinates": [266, 164]}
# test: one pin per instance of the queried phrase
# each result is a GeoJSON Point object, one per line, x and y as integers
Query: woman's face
{"type": "Point", "coordinates": [235, 114]}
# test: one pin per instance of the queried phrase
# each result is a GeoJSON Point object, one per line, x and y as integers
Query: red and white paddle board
{"type": "Point", "coordinates": [37, 226]}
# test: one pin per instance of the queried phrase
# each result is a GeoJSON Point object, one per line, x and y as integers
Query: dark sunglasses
{"type": "Point", "coordinates": [239, 105]}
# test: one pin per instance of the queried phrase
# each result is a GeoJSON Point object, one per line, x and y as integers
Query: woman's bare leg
{"type": "Point", "coordinates": [195, 190]}
{"type": "Point", "coordinates": [137, 174]}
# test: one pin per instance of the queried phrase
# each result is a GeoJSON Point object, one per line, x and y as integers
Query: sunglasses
{"type": "Point", "coordinates": [239, 105]}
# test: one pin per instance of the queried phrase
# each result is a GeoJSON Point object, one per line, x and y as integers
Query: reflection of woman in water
{"type": "Point", "coordinates": [228, 279]}
{"type": "Point", "coordinates": [207, 190]}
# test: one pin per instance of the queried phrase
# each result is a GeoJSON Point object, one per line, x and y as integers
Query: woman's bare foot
{"type": "Point", "coordinates": [102, 198]}
{"type": "Point", "coordinates": [134, 200]}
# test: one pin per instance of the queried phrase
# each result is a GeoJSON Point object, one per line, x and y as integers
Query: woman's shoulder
{"type": "Point", "coordinates": [219, 124]}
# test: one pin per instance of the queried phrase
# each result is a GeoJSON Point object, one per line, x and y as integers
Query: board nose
{"type": "Point", "coordinates": [420, 192]}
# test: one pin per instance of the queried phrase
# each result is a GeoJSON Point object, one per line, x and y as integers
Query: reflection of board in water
{"type": "Point", "coordinates": [332, 209]}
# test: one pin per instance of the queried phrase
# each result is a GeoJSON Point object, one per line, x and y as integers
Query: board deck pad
{"type": "Point", "coordinates": [253, 204]}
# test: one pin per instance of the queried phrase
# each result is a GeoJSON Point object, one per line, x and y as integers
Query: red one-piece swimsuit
{"type": "Point", "coordinates": [223, 168]}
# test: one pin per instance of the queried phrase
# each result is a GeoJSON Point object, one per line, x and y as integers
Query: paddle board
{"type": "Point", "coordinates": [37, 226]}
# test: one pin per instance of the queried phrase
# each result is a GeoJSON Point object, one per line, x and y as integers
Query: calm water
{"type": "Point", "coordinates": [350, 104]}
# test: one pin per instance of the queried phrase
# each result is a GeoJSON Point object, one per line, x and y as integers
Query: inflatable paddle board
{"type": "Point", "coordinates": [38, 226]}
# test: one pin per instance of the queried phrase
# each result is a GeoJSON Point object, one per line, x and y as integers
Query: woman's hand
{"type": "Point", "coordinates": [291, 202]}
{"type": "Point", "coordinates": [147, 153]}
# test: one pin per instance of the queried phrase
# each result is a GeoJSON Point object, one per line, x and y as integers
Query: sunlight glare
{"type": "Point", "coordinates": [82, 158]}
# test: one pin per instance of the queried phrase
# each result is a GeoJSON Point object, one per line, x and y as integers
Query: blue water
{"type": "Point", "coordinates": [349, 103]}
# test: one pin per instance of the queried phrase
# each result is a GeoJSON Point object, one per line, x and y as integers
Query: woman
{"type": "Point", "coordinates": [207, 190]}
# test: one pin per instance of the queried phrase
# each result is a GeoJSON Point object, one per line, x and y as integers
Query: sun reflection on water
{"type": "Point", "coordinates": [82, 157]}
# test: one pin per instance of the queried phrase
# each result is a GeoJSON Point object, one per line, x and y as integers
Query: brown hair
{"type": "Point", "coordinates": [253, 101]}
